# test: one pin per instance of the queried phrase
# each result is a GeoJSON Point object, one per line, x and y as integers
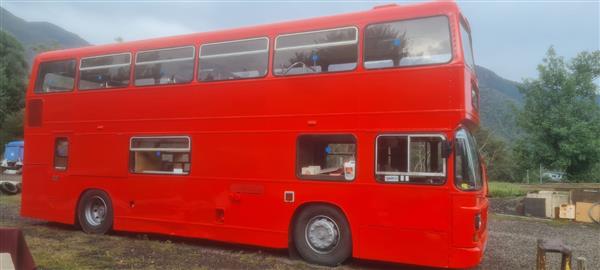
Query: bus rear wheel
{"type": "Point", "coordinates": [95, 212]}
{"type": "Point", "coordinates": [322, 235]}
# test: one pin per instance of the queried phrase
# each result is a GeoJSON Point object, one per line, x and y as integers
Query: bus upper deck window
{"type": "Point", "coordinates": [107, 71]}
{"type": "Point", "coordinates": [233, 60]}
{"type": "Point", "coordinates": [316, 51]}
{"type": "Point", "coordinates": [412, 42]}
{"type": "Point", "coordinates": [55, 76]}
{"type": "Point", "coordinates": [165, 66]}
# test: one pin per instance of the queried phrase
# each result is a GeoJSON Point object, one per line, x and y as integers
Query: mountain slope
{"type": "Point", "coordinates": [499, 97]}
{"type": "Point", "coordinates": [31, 34]}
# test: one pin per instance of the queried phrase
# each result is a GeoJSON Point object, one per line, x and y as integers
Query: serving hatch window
{"type": "Point", "coordinates": [160, 155]}
{"type": "Point", "coordinates": [232, 60]}
{"type": "Point", "coordinates": [103, 72]}
{"type": "Point", "coordinates": [410, 159]}
{"type": "Point", "coordinates": [413, 42]}
{"type": "Point", "coordinates": [316, 51]}
{"type": "Point", "coordinates": [326, 157]}
{"type": "Point", "coordinates": [164, 66]}
{"type": "Point", "coordinates": [55, 76]}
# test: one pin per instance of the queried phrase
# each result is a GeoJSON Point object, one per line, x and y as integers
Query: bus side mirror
{"type": "Point", "coordinates": [446, 149]}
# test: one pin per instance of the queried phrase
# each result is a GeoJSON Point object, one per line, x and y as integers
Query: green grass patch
{"type": "Point", "coordinates": [505, 189]}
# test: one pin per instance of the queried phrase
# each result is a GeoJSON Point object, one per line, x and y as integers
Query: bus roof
{"type": "Point", "coordinates": [377, 14]}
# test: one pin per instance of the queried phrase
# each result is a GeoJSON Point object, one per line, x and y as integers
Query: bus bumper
{"type": "Point", "coordinates": [461, 257]}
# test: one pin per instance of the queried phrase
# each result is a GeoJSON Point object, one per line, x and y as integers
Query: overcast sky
{"type": "Point", "coordinates": [510, 37]}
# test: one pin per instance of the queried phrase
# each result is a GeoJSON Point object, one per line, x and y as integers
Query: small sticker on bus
{"type": "Point", "coordinates": [391, 178]}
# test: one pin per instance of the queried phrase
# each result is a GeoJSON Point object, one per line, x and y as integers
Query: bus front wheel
{"type": "Point", "coordinates": [322, 235]}
{"type": "Point", "coordinates": [95, 212]}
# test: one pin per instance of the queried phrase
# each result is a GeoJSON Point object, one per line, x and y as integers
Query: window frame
{"type": "Point", "coordinates": [177, 150]}
{"type": "Point", "coordinates": [467, 144]}
{"type": "Point", "coordinates": [135, 64]}
{"type": "Point", "coordinates": [75, 76]}
{"type": "Point", "coordinates": [462, 25]}
{"type": "Point", "coordinates": [326, 178]}
{"type": "Point", "coordinates": [443, 174]}
{"type": "Point", "coordinates": [355, 41]}
{"type": "Point", "coordinates": [268, 51]}
{"type": "Point", "coordinates": [131, 66]}
{"type": "Point", "coordinates": [54, 156]}
{"type": "Point", "coordinates": [452, 56]}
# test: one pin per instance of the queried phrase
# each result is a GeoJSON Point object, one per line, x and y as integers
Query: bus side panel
{"type": "Point", "coordinates": [406, 223]}
{"type": "Point", "coordinates": [36, 178]}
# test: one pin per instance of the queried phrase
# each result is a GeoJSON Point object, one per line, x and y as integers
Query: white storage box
{"type": "Point", "coordinates": [553, 200]}
{"type": "Point", "coordinates": [567, 211]}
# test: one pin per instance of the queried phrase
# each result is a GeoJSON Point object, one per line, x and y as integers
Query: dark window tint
{"type": "Point", "coordinates": [467, 167]}
{"type": "Point", "coordinates": [61, 153]}
{"type": "Point", "coordinates": [56, 76]}
{"type": "Point", "coordinates": [328, 157]}
{"type": "Point", "coordinates": [101, 72]}
{"type": "Point", "coordinates": [408, 43]}
{"type": "Point", "coordinates": [466, 45]}
{"type": "Point", "coordinates": [410, 158]}
{"type": "Point", "coordinates": [316, 52]}
{"type": "Point", "coordinates": [164, 66]}
{"type": "Point", "coordinates": [160, 155]}
{"type": "Point", "coordinates": [234, 60]}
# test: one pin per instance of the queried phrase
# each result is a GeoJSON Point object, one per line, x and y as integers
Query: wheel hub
{"type": "Point", "coordinates": [95, 211]}
{"type": "Point", "coordinates": [322, 234]}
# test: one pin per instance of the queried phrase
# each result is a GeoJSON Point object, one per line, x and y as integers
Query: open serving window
{"type": "Point", "coordinates": [326, 157]}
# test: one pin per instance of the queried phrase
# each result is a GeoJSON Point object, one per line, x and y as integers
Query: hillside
{"type": "Point", "coordinates": [499, 97]}
{"type": "Point", "coordinates": [32, 34]}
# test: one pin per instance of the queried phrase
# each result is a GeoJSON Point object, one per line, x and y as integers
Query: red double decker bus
{"type": "Point", "coordinates": [336, 137]}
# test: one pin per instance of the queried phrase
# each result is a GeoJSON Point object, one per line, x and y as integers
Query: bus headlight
{"type": "Point", "coordinates": [478, 222]}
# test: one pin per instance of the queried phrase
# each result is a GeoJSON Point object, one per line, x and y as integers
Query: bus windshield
{"type": "Point", "coordinates": [467, 166]}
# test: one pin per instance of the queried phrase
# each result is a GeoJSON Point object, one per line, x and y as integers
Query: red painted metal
{"type": "Point", "coordinates": [244, 134]}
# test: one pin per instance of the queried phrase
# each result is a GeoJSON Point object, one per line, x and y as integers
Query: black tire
{"type": "Point", "coordinates": [95, 212]}
{"type": "Point", "coordinates": [9, 188]}
{"type": "Point", "coordinates": [325, 248]}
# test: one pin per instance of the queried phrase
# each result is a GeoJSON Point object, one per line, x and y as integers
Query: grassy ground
{"type": "Point", "coordinates": [505, 189]}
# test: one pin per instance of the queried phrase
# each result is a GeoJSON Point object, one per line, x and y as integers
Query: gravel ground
{"type": "Point", "coordinates": [512, 245]}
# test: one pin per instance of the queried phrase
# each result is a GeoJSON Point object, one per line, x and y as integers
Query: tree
{"type": "Point", "coordinates": [13, 72]}
{"type": "Point", "coordinates": [561, 117]}
{"type": "Point", "coordinates": [45, 47]}
{"type": "Point", "coordinates": [498, 156]}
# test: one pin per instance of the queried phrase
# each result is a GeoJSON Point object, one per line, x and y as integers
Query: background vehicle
{"type": "Point", "coordinates": [12, 160]}
{"type": "Point", "coordinates": [339, 136]}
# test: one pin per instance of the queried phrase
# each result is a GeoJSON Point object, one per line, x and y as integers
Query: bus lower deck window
{"type": "Point", "coordinates": [327, 157]}
{"type": "Point", "coordinates": [61, 153]}
{"type": "Point", "coordinates": [160, 155]}
{"type": "Point", "coordinates": [410, 158]}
